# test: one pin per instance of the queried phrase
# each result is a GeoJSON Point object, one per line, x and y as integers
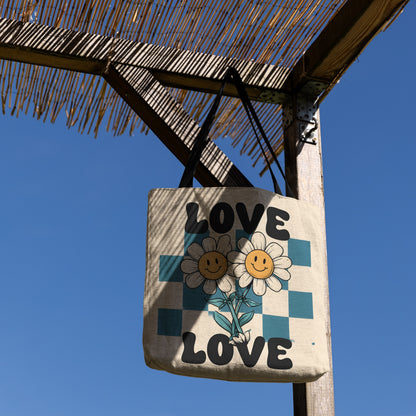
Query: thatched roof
{"type": "Point", "coordinates": [272, 32]}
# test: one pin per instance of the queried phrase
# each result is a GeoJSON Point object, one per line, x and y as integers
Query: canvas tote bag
{"type": "Point", "coordinates": [234, 285]}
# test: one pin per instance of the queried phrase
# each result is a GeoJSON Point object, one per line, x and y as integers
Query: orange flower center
{"type": "Point", "coordinates": [212, 265]}
{"type": "Point", "coordinates": [259, 264]}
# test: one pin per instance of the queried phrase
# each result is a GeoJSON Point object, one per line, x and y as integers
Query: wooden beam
{"type": "Point", "coordinates": [303, 165]}
{"type": "Point", "coordinates": [59, 48]}
{"type": "Point", "coordinates": [339, 44]}
{"type": "Point", "coordinates": [170, 122]}
{"type": "Point", "coordinates": [67, 49]}
{"type": "Point", "coordinates": [327, 58]}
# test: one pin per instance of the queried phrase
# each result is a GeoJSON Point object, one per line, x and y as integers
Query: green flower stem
{"type": "Point", "coordinates": [233, 313]}
{"type": "Point", "coordinates": [238, 306]}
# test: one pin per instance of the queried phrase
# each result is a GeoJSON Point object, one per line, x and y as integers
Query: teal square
{"type": "Point", "coordinates": [193, 238]}
{"type": "Point", "coordinates": [300, 305]}
{"type": "Point", "coordinates": [275, 327]}
{"type": "Point", "coordinates": [169, 322]}
{"type": "Point", "coordinates": [299, 252]}
{"type": "Point", "coordinates": [240, 234]}
{"type": "Point", "coordinates": [170, 269]}
{"type": "Point", "coordinates": [196, 299]}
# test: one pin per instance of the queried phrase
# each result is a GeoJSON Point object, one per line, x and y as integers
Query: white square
{"type": "Point", "coordinates": [301, 280]}
{"type": "Point", "coordinates": [276, 303]}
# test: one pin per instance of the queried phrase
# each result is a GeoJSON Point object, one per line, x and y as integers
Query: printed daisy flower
{"type": "Point", "coordinates": [208, 264]}
{"type": "Point", "coordinates": [241, 338]}
{"type": "Point", "coordinates": [263, 265]}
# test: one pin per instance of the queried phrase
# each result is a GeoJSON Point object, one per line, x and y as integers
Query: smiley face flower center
{"type": "Point", "coordinates": [212, 265]}
{"type": "Point", "coordinates": [259, 264]}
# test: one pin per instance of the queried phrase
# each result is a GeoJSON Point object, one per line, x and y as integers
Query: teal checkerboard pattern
{"type": "Point", "coordinates": [170, 269]}
{"type": "Point", "coordinates": [300, 252]}
{"type": "Point", "coordinates": [169, 322]}
{"type": "Point", "coordinates": [195, 299]}
{"type": "Point", "coordinates": [275, 327]}
{"type": "Point", "coordinates": [193, 238]}
{"type": "Point", "coordinates": [300, 304]}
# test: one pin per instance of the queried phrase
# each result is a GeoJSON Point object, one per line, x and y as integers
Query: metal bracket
{"type": "Point", "coordinates": [305, 119]}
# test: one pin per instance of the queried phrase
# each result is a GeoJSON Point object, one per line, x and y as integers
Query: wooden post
{"type": "Point", "coordinates": [303, 165]}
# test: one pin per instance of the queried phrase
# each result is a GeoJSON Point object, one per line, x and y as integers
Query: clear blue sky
{"type": "Point", "coordinates": [72, 250]}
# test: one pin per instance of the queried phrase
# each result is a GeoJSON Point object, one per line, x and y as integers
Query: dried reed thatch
{"type": "Point", "coordinates": [266, 31]}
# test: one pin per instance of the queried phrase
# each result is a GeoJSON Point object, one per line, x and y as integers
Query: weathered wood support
{"type": "Point", "coordinates": [85, 52]}
{"type": "Point", "coordinates": [303, 164]}
{"type": "Point", "coordinates": [170, 122]}
{"type": "Point", "coordinates": [339, 44]}
{"type": "Point", "coordinates": [59, 48]}
{"type": "Point", "coordinates": [320, 67]}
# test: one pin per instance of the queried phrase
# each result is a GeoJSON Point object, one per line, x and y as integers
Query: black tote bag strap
{"type": "Point", "coordinates": [201, 139]}
{"type": "Point", "coordinates": [231, 75]}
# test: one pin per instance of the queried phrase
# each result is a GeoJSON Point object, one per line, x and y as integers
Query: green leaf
{"type": "Point", "coordinates": [217, 302]}
{"type": "Point", "coordinates": [232, 296]}
{"type": "Point", "coordinates": [251, 303]}
{"type": "Point", "coordinates": [245, 318]}
{"type": "Point", "coordinates": [234, 331]}
{"type": "Point", "coordinates": [222, 321]}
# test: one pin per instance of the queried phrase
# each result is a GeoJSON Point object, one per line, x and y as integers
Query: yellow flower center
{"type": "Point", "coordinates": [212, 265]}
{"type": "Point", "coordinates": [259, 264]}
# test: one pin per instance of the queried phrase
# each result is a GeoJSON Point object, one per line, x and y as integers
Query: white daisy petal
{"type": "Point", "coordinates": [224, 283]}
{"type": "Point", "coordinates": [236, 340]}
{"type": "Point", "coordinates": [195, 251]}
{"type": "Point", "coordinates": [274, 283]}
{"type": "Point", "coordinates": [281, 274]}
{"type": "Point", "coordinates": [194, 280]}
{"type": "Point", "coordinates": [245, 279]}
{"type": "Point", "coordinates": [230, 278]}
{"type": "Point", "coordinates": [245, 245]}
{"type": "Point", "coordinates": [239, 270]}
{"type": "Point", "coordinates": [210, 287]}
{"type": "Point", "coordinates": [259, 287]}
{"type": "Point", "coordinates": [224, 244]}
{"type": "Point", "coordinates": [230, 269]}
{"type": "Point", "coordinates": [258, 240]}
{"type": "Point", "coordinates": [274, 250]}
{"type": "Point", "coordinates": [209, 244]}
{"type": "Point", "coordinates": [189, 265]}
{"type": "Point", "coordinates": [236, 257]}
{"type": "Point", "coordinates": [282, 262]}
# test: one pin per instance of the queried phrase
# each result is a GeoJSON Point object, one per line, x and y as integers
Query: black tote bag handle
{"type": "Point", "coordinates": [231, 75]}
{"type": "Point", "coordinates": [202, 139]}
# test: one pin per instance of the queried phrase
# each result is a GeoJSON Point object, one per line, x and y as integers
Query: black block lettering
{"type": "Point", "coordinates": [250, 360]}
{"type": "Point", "coordinates": [249, 226]}
{"type": "Point", "coordinates": [189, 355]}
{"type": "Point", "coordinates": [274, 352]}
{"type": "Point", "coordinates": [273, 222]}
{"type": "Point", "coordinates": [227, 349]}
{"type": "Point", "coordinates": [192, 225]}
{"type": "Point", "coordinates": [221, 217]}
